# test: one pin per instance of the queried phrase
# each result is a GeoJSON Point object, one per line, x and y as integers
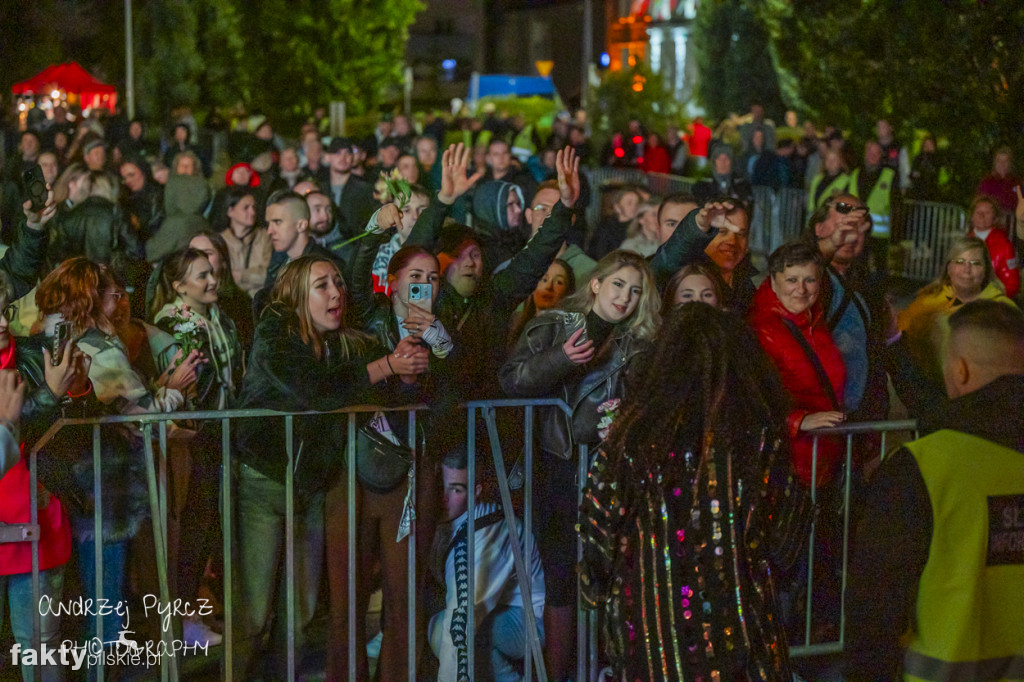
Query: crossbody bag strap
{"type": "Point", "coordinates": [815, 361]}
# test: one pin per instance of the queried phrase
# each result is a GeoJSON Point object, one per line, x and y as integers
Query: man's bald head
{"type": "Point", "coordinates": [986, 341]}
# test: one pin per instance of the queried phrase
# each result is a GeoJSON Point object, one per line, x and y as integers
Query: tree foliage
{"type": "Point", "coordinates": [952, 67]}
{"type": "Point", "coordinates": [282, 57]}
{"type": "Point", "coordinates": [634, 93]}
{"type": "Point", "coordinates": [733, 57]}
{"type": "Point", "coordinates": [311, 52]}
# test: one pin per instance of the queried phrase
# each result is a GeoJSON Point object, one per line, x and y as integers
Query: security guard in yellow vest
{"type": "Point", "coordinates": [878, 187]}
{"type": "Point", "coordinates": [936, 578]}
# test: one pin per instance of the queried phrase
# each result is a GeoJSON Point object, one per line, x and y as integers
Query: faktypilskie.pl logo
{"type": "Point", "coordinates": [124, 649]}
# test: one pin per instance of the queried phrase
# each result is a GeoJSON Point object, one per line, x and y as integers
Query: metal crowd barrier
{"type": "Point", "coordinates": [157, 484]}
{"type": "Point", "coordinates": [779, 216]}
{"type": "Point", "coordinates": [848, 432]}
{"type": "Point", "coordinates": [587, 648]}
{"type": "Point", "coordinates": [930, 229]}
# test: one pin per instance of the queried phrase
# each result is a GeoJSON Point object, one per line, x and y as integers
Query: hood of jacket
{"type": "Point", "coordinates": [490, 200]}
{"type": "Point", "coordinates": [185, 195]}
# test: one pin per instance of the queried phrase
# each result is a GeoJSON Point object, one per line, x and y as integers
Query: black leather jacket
{"type": "Point", "coordinates": [539, 368]}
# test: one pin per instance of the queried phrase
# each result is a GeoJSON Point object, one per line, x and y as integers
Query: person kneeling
{"type": "Point", "coordinates": [501, 622]}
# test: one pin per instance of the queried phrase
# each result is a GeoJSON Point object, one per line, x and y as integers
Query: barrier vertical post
{"type": "Point", "coordinates": [168, 662]}
{"type": "Point", "coordinates": [97, 491]}
{"type": "Point", "coordinates": [519, 561]}
{"type": "Point", "coordinates": [350, 462]}
{"type": "Point", "coordinates": [810, 544]}
{"type": "Point", "coordinates": [289, 542]}
{"type": "Point", "coordinates": [411, 577]}
{"type": "Point", "coordinates": [846, 537]}
{"type": "Point", "coordinates": [227, 518]}
{"type": "Point", "coordinates": [528, 523]}
{"type": "Point", "coordinates": [37, 617]}
{"type": "Point", "coordinates": [582, 650]}
{"type": "Point", "coordinates": [470, 544]}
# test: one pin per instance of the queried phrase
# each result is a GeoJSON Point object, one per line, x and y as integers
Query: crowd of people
{"type": "Point", "coordinates": [401, 270]}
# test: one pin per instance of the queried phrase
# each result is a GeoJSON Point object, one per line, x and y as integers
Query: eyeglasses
{"type": "Point", "coordinates": [846, 209]}
{"type": "Point", "coordinates": [11, 312]}
{"type": "Point", "coordinates": [975, 263]}
{"type": "Point", "coordinates": [116, 294]}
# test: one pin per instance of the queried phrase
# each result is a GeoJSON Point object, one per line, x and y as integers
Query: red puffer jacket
{"type": "Point", "coordinates": [806, 393]}
{"type": "Point", "coordinates": [1004, 259]}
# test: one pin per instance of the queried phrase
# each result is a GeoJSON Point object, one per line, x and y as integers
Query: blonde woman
{"type": "Point", "coordinates": [583, 354]}
{"type": "Point", "coordinates": [967, 275]}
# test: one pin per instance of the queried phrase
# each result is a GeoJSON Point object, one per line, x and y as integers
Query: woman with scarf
{"type": "Point", "coordinates": [186, 299]}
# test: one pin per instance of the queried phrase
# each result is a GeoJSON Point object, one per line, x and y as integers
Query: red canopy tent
{"type": "Point", "coordinates": [72, 79]}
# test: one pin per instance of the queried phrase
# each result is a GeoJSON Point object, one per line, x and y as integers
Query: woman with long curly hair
{"type": "Point", "coordinates": [675, 516]}
{"type": "Point", "coordinates": [583, 354]}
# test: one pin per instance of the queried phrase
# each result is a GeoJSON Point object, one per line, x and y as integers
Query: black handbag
{"type": "Point", "coordinates": [381, 466]}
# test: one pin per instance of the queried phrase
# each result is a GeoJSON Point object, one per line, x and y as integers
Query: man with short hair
{"type": "Point", "coordinates": [94, 154]}
{"type": "Point", "coordinates": [878, 186]}
{"type": "Point", "coordinates": [288, 228]}
{"type": "Point", "coordinates": [316, 167]}
{"type": "Point", "coordinates": [350, 193]}
{"type": "Point", "coordinates": [387, 154]}
{"type": "Point", "coordinates": [893, 155]}
{"type": "Point", "coordinates": [500, 167]}
{"type": "Point", "coordinates": [671, 213]}
{"type": "Point", "coordinates": [718, 235]}
{"type": "Point", "coordinates": [497, 607]}
{"type": "Point", "coordinates": [939, 561]}
{"type": "Point", "coordinates": [839, 229]}
{"type": "Point", "coordinates": [538, 211]}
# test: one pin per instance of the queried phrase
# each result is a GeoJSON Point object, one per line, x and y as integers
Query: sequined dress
{"type": "Point", "coordinates": [677, 560]}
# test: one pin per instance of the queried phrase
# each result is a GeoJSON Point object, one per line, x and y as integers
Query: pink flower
{"type": "Point", "coordinates": [609, 405]}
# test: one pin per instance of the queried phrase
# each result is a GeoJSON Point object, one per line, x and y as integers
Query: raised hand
{"type": "Point", "coordinates": [454, 166]}
{"type": "Point", "coordinates": [567, 165]}
{"type": "Point", "coordinates": [715, 214]}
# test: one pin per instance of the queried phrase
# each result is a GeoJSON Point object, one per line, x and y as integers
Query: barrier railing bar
{"type": "Point", "coordinates": [97, 489]}
{"type": "Point", "coordinates": [227, 518]}
{"type": "Point", "coordinates": [289, 540]}
{"type": "Point", "coordinates": [522, 569]}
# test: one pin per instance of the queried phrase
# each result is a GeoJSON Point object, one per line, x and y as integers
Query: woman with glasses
{"type": "Point", "coordinates": [85, 294]}
{"type": "Point", "coordinates": [967, 275]}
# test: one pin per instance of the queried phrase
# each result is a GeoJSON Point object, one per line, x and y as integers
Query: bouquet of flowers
{"type": "Point", "coordinates": [389, 188]}
{"type": "Point", "coordinates": [189, 330]}
{"type": "Point", "coordinates": [608, 409]}
{"type": "Point", "coordinates": [392, 187]}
